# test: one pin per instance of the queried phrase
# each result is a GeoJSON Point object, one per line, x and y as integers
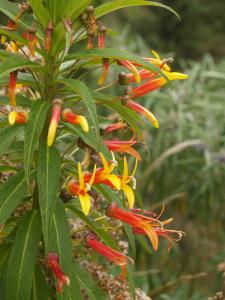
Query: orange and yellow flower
{"type": "Point", "coordinates": [69, 117]}
{"type": "Point", "coordinates": [123, 147]}
{"type": "Point", "coordinates": [54, 122]}
{"type": "Point", "coordinates": [12, 88]}
{"type": "Point", "coordinates": [81, 188]}
{"type": "Point", "coordinates": [17, 117]}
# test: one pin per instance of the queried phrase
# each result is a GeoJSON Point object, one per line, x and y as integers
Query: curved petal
{"type": "Point", "coordinates": [85, 202]}
{"type": "Point", "coordinates": [115, 181]}
{"type": "Point", "coordinates": [129, 195]}
{"type": "Point", "coordinates": [104, 162]}
{"type": "Point", "coordinates": [125, 168]}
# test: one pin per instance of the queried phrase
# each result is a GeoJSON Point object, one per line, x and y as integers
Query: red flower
{"type": "Point", "coordinates": [143, 111]}
{"type": "Point", "coordinates": [12, 87]}
{"type": "Point", "coordinates": [111, 254]}
{"type": "Point", "coordinates": [70, 117]}
{"type": "Point", "coordinates": [134, 220]}
{"type": "Point", "coordinates": [48, 36]}
{"type": "Point", "coordinates": [114, 126]}
{"type": "Point", "coordinates": [123, 147]}
{"type": "Point", "coordinates": [53, 264]}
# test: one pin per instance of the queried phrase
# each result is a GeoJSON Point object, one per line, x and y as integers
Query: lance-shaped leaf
{"type": "Point", "coordinates": [16, 62]}
{"type": "Point", "coordinates": [48, 175]}
{"type": "Point", "coordinates": [115, 5]}
{"type": "Point", "coordinates": [22, 258]}
{"type": "Point", "coordinates": [11, 193]}
{"type": "Point", "coordinates": [74, 8]}
{"type": "Point", "coordinates": [40, 12]}
{"type": "Point", "coordinates": [33, 131]}
{"type": "Point", "coordinates": [60, 243]}
{"type": "Point", "coordinates": [81, 89]}
{"type": "Point", "coordinates": [7, 136]}
{"type": "Point", "coordinates": [40, 289]}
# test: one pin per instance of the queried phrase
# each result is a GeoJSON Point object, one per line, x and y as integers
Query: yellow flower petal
{"type": "Point", "coordinates": [125, 168]}
{"type": "Point", "coordinates": [92, 176]}
{"type": "Point", "coordinates": [83, 123]}
{"type": "Point", "coordinates": [129, 195]}
{"type": "Point", "coordinates": [104, 162]}
{"type": "Point", "coordinates": [51, 133]}
{"type": "Point", "coordinates": [12, 117]}
{"type": "Point", "coordinates": [151, 234]}
{"type": "Point", "coordinates": [175, 75]}
{"type": "Point", "coordinates": [85, 202]}
{"type": "Point", "coordinates": [135, 168]}
{"type": "Point", "coordinates": [114, 180]}
{"type": "Point", "coordinates": [80, 175]}
{"type": "Point", "coordinates": [151, 118]}
{"type": "Point", "coordinates": [156, 54]}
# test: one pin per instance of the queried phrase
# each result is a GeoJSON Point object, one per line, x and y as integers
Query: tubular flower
{"type": "Point", "coordinates": [80, 188]}
{"type": "Point", "coordinates": [11, 25]}
{"type": "Point", "coordinates": [12, 87]}
{"type": "Point", "coordinates": [54, 122]}
{"type": "Point", "coordinates": [159, 228]}
{"type": "Point", "coordinates": [130, 66]}
{"type": "Point", "coordinates": [32, 40]}
{"type": "Point", "coordinates": [134, 220]}
{"type": "Point", "coordinates": [19, 117]}
{"type": "Point", "coordinates": [105, 71]}
{"type": "Point", "coordinates": [48, 36]}
{"type": "Point", "coordinates": [143, 111]}
{"type": "Point", "coordinates": [104, 175]}
{"type": "Point", "coordinates": [125, 179]}
{"type": "Point", "coordinates": [70, 117]}
{"type": "Point", "coordinates": [156, 83]}
{"type": "Point", "coordinates": [123, 147]}
{"type": "Point", "coordinates": [111, 254]}
{"type": "Point", "coordinates": [114, 126]}
{"type": "Point", "coordinates": [53, 264]}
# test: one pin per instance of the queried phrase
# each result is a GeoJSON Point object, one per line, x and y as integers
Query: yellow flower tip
{"type": "Point", "coordinates": [175, 76]}
{"type": "Point", "coordinates": [85, 202]}
{"type": "Point", "coordinates": [156, 55]}
{"type": "Point", "coordinates": [84, 124]}
{"type": "Point", "coordinates": [51, 133]}
{"type": "Point", "coordinates": [3, 39]}
{"type": "Point", "coordinates": [12, 117]}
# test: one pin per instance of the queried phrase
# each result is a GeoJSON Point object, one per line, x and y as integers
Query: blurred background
{"type": "Point", "coordinates": [187, 154]}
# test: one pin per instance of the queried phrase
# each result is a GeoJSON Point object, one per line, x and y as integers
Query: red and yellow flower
{"type": "Point", "coordinates": [12, 88]}
{"type": "Point", "coordinates": [81, 188]}
{"type": "Point", "coordinates": [54, 122]}
{"type": "Point", "coordinates": [69, 117]}
{"type": "Point", "coordinates": [109, 253]}
{"type": "Point", "coordinates": [17, 117]}
{"type": "Point", "coordinates": [123, 147]}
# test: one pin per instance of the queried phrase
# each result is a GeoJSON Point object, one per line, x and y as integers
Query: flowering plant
{"type": "Point", "coordinates": [64, 164]}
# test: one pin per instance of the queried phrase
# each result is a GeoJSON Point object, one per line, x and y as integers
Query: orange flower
{"type": "Point", "coordinates": [12, 87]}
{"type": "Point", "coordinates": [81, 188]}
{"type": "Point", "coordinates": [104, 175]}
{"type": "Point", "coordinates": [69, 117]}
{"type": "Point", "coordinates": [17, 117]}
{"type": "Point", "coordinates": [53, 264]}
{"type": "Point", "coordinates": [130, 66]}
{"type": "Point", "coordinates": [111, 254]}
{"type": "Point", "coordinates": [48, 36]}
{"type": "Point", "coordinates": [32, 40]}
{"type": "Point", "coordinates": [54, 122]}
{"type": "Point", "coordinates": [134, 220]}
{"type": "Point", "coordinates": [123, 147]}
{"type": "Point", "coordinates": [143, 111]}
{"type": "Point", "coordinates": [114, 126]}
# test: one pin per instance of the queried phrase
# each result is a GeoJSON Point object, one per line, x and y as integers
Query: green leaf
{"type": "Point", "coordinates": [22, 258]}
{"type": "Point", "coordinates": [4, 253]}
{"type": "Point", "coordinates": [81, 89]}
{"type": "Point", "coordinates": [8, 135]}
{"type": "Point", "coordinates": [33, 131]}
{"type": "Point", "coordinates": [60, 242]}
{"type": "Point", "coordinates": [115, 5]}
{"type": "Point", "coordinates": [14, 63]}
{"type": "Point", "coordinates": [74, 8]}
{"type": "Point", "coordinates": [131, 281]}
{"type": "Point", "coordinates": [130, 236]}
{"type": "Point", "coordinates": [93, 291]}
{"type": "Point", "coordinates": [40, 289]}
{"type": "Point", "coordinates": [93, 226]}
{"type": "Point", "coordinates": [40, 12]}
{"type": "Point", "coordinates": [11, 193]}
{"type": "Point", "coordinates": [48, 175]}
